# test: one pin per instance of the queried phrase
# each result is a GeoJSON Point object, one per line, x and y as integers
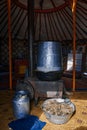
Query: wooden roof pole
{"type": "Point", "coordinates": [74, 40]}
{"type": "Point", "coordinates": [10, 47]}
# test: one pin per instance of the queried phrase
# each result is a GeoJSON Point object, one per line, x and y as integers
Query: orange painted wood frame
{"type": "Point", "coordinates": [10, 43]}
{"type": "Point", "coordinates": [74, 41]}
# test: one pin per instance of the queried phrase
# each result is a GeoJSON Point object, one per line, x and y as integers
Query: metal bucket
{"type": "Point", "coordinates": [21, 104]}
{"type": "Point", "coordinates": [49, 60]}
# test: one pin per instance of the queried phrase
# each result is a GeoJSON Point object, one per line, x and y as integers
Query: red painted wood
{"type": "Point", "coordinates": [18, 3]}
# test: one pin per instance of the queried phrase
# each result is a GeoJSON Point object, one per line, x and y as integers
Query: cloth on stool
{"type": "Point", "coordinates": [29, 123]}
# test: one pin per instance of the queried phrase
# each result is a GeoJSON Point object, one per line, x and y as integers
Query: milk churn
{"type": "Point", "coordinates": [21, 104]}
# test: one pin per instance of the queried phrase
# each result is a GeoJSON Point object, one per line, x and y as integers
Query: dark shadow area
{"type": "Point", "coordinates": [81, 84]}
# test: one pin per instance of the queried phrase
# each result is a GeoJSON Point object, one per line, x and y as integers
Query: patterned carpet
{"type": "Point", "coordinates": [77, 122]}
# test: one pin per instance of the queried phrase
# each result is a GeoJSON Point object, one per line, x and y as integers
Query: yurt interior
{"type": "Point", "coordinates": [43, 64]}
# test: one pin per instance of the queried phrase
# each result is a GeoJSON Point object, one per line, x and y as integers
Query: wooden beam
{"type": "Point", "coordinates": [10, 43]}
{"type": "Point", "coordinates": [18, 3]}
{"type": "Point", "coordinates": [53, 3]}
{"type": "Point", "coordinates": [74, 41]}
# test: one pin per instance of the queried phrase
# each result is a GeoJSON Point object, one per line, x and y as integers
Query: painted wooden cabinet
{"type": "Point", "coordinates": [20, 67]}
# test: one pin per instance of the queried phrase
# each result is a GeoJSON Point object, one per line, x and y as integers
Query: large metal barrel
{"type": "Point", "coordinates": [49, 60]}
{"type": "Point", "coordinates": [21, 104]}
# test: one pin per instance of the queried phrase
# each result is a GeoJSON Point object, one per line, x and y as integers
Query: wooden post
{"type": "Point", "coordinates": [30, 35]}
{"type": "Point", "coordinates": [74, 41]}
{"type": "Point", "coordinates": [10, 47]}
